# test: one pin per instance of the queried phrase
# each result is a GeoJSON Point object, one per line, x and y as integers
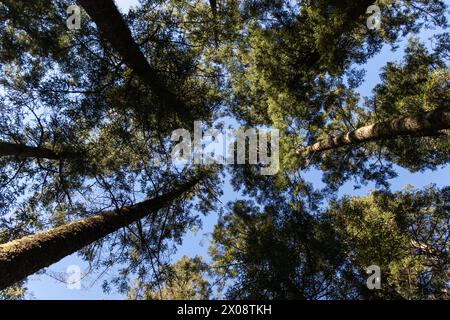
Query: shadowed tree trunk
{"type": "Point", "coordinates": [24, 151]}
{"type": "Point", "coordinates": [422, 124]}
{"type": "Point", "coordinates": [113, 27]}
{"type": "Point", "coordinates": [25, 256]}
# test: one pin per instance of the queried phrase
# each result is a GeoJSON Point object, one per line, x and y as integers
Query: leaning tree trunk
{"type": "Point", "coordinates": [24, 151]}
{"type": "Point", "coordinates": [421, 124]}
{"type": "Point", "coordinates": [23, 257]}
{"type": "Point", "coordinates": [110, 23]}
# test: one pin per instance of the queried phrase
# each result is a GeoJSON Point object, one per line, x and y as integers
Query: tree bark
{"type": "Point", "coordinates": [23, 257]}
{"type": "Point", "coordinates": [110, 23]}
{"type": "Point", "coordinates": [422, 124]}
{"type": "Point", "coordinates": [24, 151]}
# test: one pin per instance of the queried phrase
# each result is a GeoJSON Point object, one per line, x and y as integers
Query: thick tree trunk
{"type": "Point", "coordinates": [112, 26]}
{"type": "Point", "coordinates": [422, 124]}
{"type": "Point", "coordinates": [25, 256]}
{"type": "Point", "coordinates": [24, 151]}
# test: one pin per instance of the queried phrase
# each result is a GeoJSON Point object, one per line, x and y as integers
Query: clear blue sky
{"type": "Point", "coordinates": [45, 287]}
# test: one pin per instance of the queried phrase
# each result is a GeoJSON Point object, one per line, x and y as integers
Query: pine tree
{"type": "Point", "coordinates": [86, 118]}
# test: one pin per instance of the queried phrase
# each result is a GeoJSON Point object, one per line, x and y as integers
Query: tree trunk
{"type": "Point", "coordinates": [23, 257]}
{"type": "Point", "coordinates": [24, 151]}
{"type": "Point", "coordinates": [110, 23]}
{"type": "Point", "coordinates": [422, 124]}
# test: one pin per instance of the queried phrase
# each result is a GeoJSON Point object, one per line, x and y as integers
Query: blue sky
{"type": "Point", "coordinates": [196, 243]}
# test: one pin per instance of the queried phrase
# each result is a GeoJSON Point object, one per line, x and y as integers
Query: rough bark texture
{"type": "Point", "coordinates": [112, 26]}
{"type": "Point", "coordinates": [422, 124]}
{"type": "Point", "coordinates": [27, 255]}
{"type": "Point", "coordinates": [24, 151]}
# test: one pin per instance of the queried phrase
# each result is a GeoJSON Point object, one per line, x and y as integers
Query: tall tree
{"type": "Point", "coordinates": [406, 234]}
{"type": "Point", "coordinates": [297, 68]}
{"type": "Point", "coordinates": [285, 252]}
{"type": "Point", "coordinates": [27, 255]}
{"type": "Point", "coordinates": [413, 125]}
{"type": "Point", "coordinates": [113, 27]}
{"type": "Point", "coordinates": [86, 117]}
{"type": "Point", "coordinates": [68, 91]}
{"type": "Point", "coordinates": [276, 252]}
{"type": "Point", "coordinates": [183, 280]}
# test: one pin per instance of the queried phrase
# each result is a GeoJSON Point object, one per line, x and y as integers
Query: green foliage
{"type": "Point", "coordinates": [290, 65]}
{"type": "Point", "coordinates": [279, 253]}
{"type": "Point", "coordinates": [15, 292]}
{"type": "Point", "coordinates": [183, 280]}
{"type": "Point", "coordinates": [406, 234]}
{"type": "Point", "coordinates": [67, 90]}
{"type": "Point", "coordinates": [419, 84]}
{"type": "Point", "coordinates": [296, 68]}
{"type": "Point", "coordinates": [284, 252]}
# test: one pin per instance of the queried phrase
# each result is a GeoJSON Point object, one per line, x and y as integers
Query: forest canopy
{"type": "Point", "coordinates": [91, 97]}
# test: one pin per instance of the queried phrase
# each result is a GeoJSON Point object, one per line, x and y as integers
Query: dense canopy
{"type": "Point", "coordinates": [87, 117]}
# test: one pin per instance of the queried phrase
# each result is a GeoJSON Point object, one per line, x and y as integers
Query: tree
{"type": "Point", "coordinates": [183, 280]}
{"type": "Point", "coordinates": [67, 93]}
{"type": "Point", "coordinates": [406, 234]}
{"type": "Point", "coordinates": [288, 253]}
{"type": "Point", "coordinates": [86, 118]}
{"type": "Point", "coordinates": [298, 72]}
{"type": "Point", "coordinates": [413, 125]}
{"type": "Point", "coordinates": [277, 252]}
{"type": "Point", "coordinates": [413, 90]}
{"type": "Point", "coordinates": [111, 24]}
{"type": "Point", "coordinates": [27, 255]}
